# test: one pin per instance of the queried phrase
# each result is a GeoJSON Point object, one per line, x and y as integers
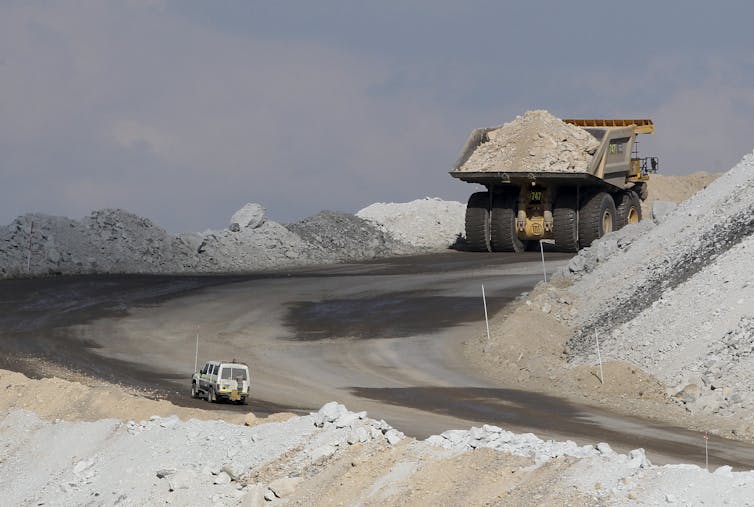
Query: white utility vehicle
{"type": "Point", "coordinates": [226, 380]}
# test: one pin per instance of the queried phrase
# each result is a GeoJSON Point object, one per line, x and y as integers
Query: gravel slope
{"type": "Point", "coordinates": [678, 300]}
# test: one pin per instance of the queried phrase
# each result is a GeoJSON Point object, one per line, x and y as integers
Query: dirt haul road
{"type": "Point", "coordinates": [385, 337]}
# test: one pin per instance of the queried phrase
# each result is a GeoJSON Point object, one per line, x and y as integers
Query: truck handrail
{"type": "Point", "coordinates": [640, 126]}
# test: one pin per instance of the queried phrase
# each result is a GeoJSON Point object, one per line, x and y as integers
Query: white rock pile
{"type": "Point", "coordinates": [675, 297]}
{"type": "Point", "coordinates": [197, 463]}
{"type": "Point", "coordinates": [528, 445]}
{"type": "Point", "coordinates": [166, 460]}
{"type": "Point", "coordinates": [536, 141]}
{"type": "Point", "coordinates": [429, 223]}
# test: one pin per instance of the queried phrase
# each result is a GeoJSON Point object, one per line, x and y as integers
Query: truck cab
{"type": "Point", "coordinates": [222, 380]}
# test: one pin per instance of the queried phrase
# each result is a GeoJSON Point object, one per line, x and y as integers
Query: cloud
{"type": "Point", "coordinates": [183, 111]}
{"type": "Point", "coordinates": [198, 120]}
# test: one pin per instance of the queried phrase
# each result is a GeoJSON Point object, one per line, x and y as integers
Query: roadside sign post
{"type": "Point", "coordinates": [599, 357]}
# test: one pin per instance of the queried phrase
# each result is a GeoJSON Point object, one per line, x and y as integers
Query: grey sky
{"type": "Point", "coordinates": [183, 111]}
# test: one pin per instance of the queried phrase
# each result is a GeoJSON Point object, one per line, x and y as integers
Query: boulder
{"type": "Point", "coordinates": [234, 471]}
{"type": "Point", "coordinates": [689, 394]}
{"type": "Point", "coordinates": [183, 479]}
{"type": "Point", "coordinates": [252, 215]}
{"type": "Point", "coordinates": [222, 478]}
{"type": "Point", "coordinates": [662, 208]}
{"type": "Point", "coordinates": [332, 410]}
{"type": "Point", "coordinates": [393, 436]}
{"type": "Point", "coordinates": [284, 486]}
{"type": "Point", "coordinates": [254, 496]}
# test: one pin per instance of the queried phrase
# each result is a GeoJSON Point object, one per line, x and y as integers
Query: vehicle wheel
{"type": "Point", "coordinates": [194, 392]}
{"type": "Point", "coordinates": [596, 218]}
{"type": "Point", "coordinates": [503, 237]}
{"type": "Point", "coordinates": [245, 401]}
{"type": "Point", "coordinates": [478, 222]}
{"type": "Point", "coordinates": [628, 210]}
{"type": "Point", "coordinates": [565, 226]}
{"type": "Point", "coordinates": [642, 191]}
{"type": "Point", "coordinates": [211, 396]}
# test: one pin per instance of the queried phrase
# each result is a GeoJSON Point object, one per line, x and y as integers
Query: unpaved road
{"type": "Point", "coordinates": [385, 337]}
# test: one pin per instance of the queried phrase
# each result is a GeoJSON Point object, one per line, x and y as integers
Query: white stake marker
{"type": "Point", "coordinates": [599, 356]}
{"type": "Point", "coordinates": [486, 320]}
{"type": "Point", "coordinates": [196, 353]}
{"type": "Point", "coordinates": [706, 454]}
{"type": "Point", "coordinates": [542, 251]}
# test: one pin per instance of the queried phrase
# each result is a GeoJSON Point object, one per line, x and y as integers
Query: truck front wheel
{"type": "Point", "coordinates": [478, 222]}
{"type": "Point", "coordinates": [597, 218]}
{"type": "Point", "coordinates": [503, 237]}
{"type": "Point", "coordinates": [194, 392]}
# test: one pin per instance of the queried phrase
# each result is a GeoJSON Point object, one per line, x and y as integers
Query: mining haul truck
{"type": "Point", "coordinates": [571, 208]}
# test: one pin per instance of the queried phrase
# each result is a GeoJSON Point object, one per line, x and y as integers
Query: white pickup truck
{"type": "Point", "coordinates": [226, 380]}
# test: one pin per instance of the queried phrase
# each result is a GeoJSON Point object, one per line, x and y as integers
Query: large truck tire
{"type": "Point", "coordinates": [642, 190]}
{"type": "Point", "coordinates": [503, 237]}
{"type": "Point", "coordinates": [596, 218]}
{"type": "Point", "coordinates": [565, 223]}
{"type": "Point", "coordinates": [478, 222]}
{"type": "Point", "coordinates": [628, 210]}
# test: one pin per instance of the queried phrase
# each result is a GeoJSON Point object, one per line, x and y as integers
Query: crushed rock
{"type": "Point", "coordinates": [429, 223]}
{"type": "Point", "coordinates": [536, 141]}
{"type": "Point", "coordinates": [159, 461]}
{"type": "Point", "coordinates": [678, 300]}
{"type": "Point", "coordinates": [338, 236]}
{"type": "Point", "coordinates": [113, 241]}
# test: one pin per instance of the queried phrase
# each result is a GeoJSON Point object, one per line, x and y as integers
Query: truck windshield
{"type": "Point", "coordinates": [233, 373]}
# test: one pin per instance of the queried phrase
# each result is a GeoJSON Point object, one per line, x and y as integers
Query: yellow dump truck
{"type": "Point", "coordinates": [571, 208]}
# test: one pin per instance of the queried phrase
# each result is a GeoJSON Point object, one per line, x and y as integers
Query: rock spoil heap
{"type": "Point", "coordinates": [332, 456]}
{"type": "Point", "coordinates": [678, 303]}
{"type": "Point", "coordinates": [336, 236]}
{"type": "Point", "coordinates": [116, 241]}
{"type": "Point", "coordinates": [167, 460]}
{"type": "Point", "coordinates": [536, 141]}
{"type": "Point", "coordinates": [429, 223]}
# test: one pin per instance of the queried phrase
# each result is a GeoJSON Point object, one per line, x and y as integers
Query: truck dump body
{"type": "Point", "coordinates": [611, 162]}
{"type": "Point", "coordinates": [569, 180]}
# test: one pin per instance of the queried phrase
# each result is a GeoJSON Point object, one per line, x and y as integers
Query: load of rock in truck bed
{"type": "Point", "coordinates": [536, 141]}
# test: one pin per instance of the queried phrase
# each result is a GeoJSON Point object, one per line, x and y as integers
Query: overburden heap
{"type": "Point", "coordinates": [678, 303]}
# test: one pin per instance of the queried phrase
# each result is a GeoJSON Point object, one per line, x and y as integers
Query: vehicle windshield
{"type": "Point", "coordinates": [229, 373]}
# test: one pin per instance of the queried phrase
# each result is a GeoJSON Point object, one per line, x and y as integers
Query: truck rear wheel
{"type": "Point", "coordinates": [596, 218]}
{"type": "Point", "coordinates": [642, 191]}
{"type": "Point", "coordinates": [503, 237]}
{"type": "Point", "coordinates": [628, 210]}
{"type": "Point", "coordinates": [565, 226]}
{"type": "Point", "coordinates": [478, 222]}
